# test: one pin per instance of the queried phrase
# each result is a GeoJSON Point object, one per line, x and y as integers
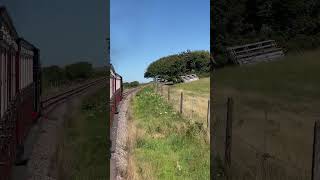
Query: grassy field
{"type": "Point", "coordinates": [199, 88]}
{"type": "Point", "coordinates": [82, 152]}
{"type": "Point", "coordinates": [195, 98]}
{"type": "Point", "coordinates": [276, 105]}
{"type": "Point", "coordinates": [163, 144]}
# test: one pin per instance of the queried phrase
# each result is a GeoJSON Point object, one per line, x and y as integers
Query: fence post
{"type": "Point", "coordinates": [316, 152]}
{"type": "Point", "coordinates": [228, 142]}
{"type": "Point", "coordinates": [208, 115]}
{"type": "Point", "coordinates": [264, 159]}
{"type": "Point", "coordinates": [168, 93]}
{"type": "Point", "coordinates": [181, 102]}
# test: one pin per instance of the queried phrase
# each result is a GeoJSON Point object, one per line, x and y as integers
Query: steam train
{"type": "Point", "coordinates": [116, 90]}
{"type": "Point", "coordinates": [20, 89]}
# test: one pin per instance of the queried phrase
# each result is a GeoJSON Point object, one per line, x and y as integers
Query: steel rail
{"type": "Point", "coordinates": [64, 95]}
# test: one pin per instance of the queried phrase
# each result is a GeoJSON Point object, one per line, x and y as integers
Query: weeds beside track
{"type": "Point", "coordinates": [82, 151]}
{"type": "Point", "coordinates": [166, 145]}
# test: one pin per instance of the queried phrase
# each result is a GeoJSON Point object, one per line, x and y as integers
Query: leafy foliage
{"type": "Point", "coordinates": [171, 67]}
{"type": "Point", "coordinates": [72, 72]}
{"type": "Point", "coordinates": [294, 24]}
{"type": "Point", "coordinates": [131, 84]}
{"type": "Point", "coordinates": [80, 70]}
{"type": "Point", "coordinates": [53, 73]}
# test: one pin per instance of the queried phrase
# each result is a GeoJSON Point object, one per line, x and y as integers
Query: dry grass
{"type": "Point", "coordinates": [195, 105]}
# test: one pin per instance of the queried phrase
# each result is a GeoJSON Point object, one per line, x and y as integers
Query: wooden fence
{"type": "Point", "coordinates": [194, 108]}
{"type": "Point", "coordinates": [267, 166]}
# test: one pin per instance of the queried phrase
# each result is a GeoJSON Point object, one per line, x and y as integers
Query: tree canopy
{"type": "Point", "coordinates": [53, 73]}
{"type": "Point", "coordinates": [131, 84]}
{"type": "Point", "coordinates": [294, 24]}
{"type": "Point", "coordinates": [80, 70]}
{"type": "Point", "coordinates": [171, 67]}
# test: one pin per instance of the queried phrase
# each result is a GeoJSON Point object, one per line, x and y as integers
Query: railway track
{"type": "Point", "coordinates": [127, 92]}
{"type": "Point", "coordinates": [53, 100]}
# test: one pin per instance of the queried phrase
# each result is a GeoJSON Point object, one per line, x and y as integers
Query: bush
{"type": "Point", "coordinates": [72, 72]}
{"type": "Point", "coordinates": [53, 73]}
{"type": "Point", "coordinates": [80, 70]}
{"type": "Point", "coordinates": [134, 84]}
{"type": "Point", "coordinates": [131, 84]}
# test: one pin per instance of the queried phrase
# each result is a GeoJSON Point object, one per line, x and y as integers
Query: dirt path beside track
{"type": "Point", "coordinates": [119, 133]}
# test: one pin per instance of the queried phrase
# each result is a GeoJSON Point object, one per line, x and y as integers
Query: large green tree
{"type": "Point", "coordinates": [171, 67]}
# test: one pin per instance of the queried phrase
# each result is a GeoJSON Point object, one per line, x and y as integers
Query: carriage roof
{"type": "Point", "coordinates": [6, 22]}
{"type": "Point", "coordinates": [112, 71]}
{"type": "Point", "coordinates": [8, 33]}
{"type": "Point", "coordinates": [26, 44]}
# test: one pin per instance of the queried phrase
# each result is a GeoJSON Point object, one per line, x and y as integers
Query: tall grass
{"type": "Point", "coordinates": [195, 103]}
{"type": "Point", "coordinates": [167, 146]}
{"type": "Point", "coordinates": [276, 104]}
{"type": "Point", "coordinates": [82, 151]}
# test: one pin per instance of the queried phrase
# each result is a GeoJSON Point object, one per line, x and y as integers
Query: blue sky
{"type": "Point", "coordinates": [143, 31]}
{"type": "Point", "coordinates": [64, 31]}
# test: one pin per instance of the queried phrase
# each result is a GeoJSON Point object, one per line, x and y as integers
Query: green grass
{"type": "Point", "coordinates": [202, 86]}
{"type": "Point", "coordinates": [287, 91]}
{"type": "Point", "coordinates": [294, 78]}
{"type": "Point", "coordinates": [171, 147]}
{"type": "Point", "coordinates": [84, 147]}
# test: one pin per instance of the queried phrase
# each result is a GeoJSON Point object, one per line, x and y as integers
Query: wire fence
{"type": "Point", "coordinates": [250, 145]}
{"type": "Point", "coordinates": [193, 107]}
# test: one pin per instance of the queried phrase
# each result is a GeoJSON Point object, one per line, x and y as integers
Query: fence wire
{"type": "Point", "coordinates": [257, 149]}
{"type": "Point", "coordinates": [195, 108]}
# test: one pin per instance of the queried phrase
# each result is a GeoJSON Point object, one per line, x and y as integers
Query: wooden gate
{"type": "Point", "coordinates": [255, 52]}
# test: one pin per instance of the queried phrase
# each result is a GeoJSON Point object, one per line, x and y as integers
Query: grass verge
{"type": "Point", "coordinates": [276, 104]}
{"type": "Point", "coordinates": [82, 152]}
{"type": "Point", "coordinates": [195, 98]}
{"type": "Point", "coordinates": [166, 146]}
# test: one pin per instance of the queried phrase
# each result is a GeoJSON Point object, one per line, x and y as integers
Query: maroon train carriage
{"type": "Point", "coordinates": [116, 90]}
{"type": "Point", "coordinates": [20, 89]}
{"type": "Point", "coordinates": [8, 51]}
{"type": "Point", "coordinates": [29, 88]}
